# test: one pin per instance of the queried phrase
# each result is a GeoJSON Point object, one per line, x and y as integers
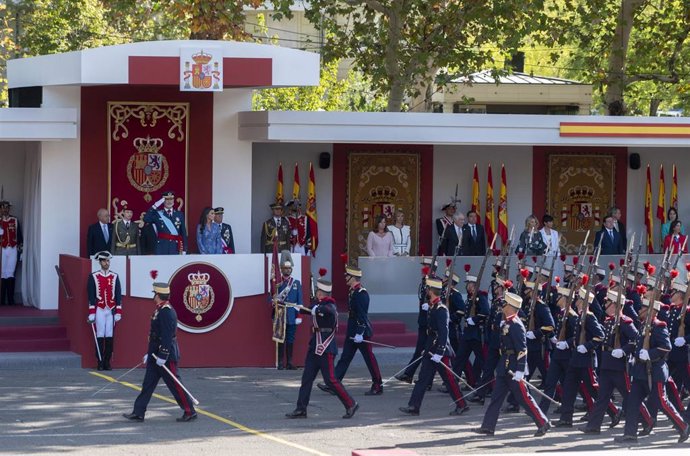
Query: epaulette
{"type": "Point", "coordinates": [361, 289]}
{"type": "Point", "coordinates": [167, 304]}
{"type": "Point", "coordinates": [660, 323]}
{"type": "Point", "coordinates": [664, 307]}
{"type": "Point", "coordinates": [626, 319]}
{"type": "Point", "coordinates": [440, 304]}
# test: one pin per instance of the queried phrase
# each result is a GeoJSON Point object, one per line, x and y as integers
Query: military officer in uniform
{"type": "Point", "coordinates": [279, 226]}
{"type": "Point", "coordinates": [290, 295]}
{"type": "Point", "coordinates": [300, 233]}
{"type": "Point", "coordinates": [162, 344]}
{"type": "Point", "coordinates": [169, 224]}
{"type": "Point", "coordinates": [321, 353]}
{"type": "Point", "coordinates": [358, 331]}
{"type": "Point", "coordinates": [105, 307]}
{"type": "Point", "coordinates": [12, 242]}
{"type": "Point", "coordinates": [225, 231]}
{"type": "Point", "coordinates": [510, 372]}
{"type": "Point", "coordinates": [125, 238]}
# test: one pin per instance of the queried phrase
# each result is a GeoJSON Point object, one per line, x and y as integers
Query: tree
{"type": "Point", "coordinates": [401, 44]}
{"type": "Point", "coordinates": [213, 19]}
{"type": "Point", "coordinates": [7, 49]}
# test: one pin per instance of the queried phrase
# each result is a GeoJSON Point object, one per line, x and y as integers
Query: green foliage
{"type": "Point", "coordinates": [7, 49]}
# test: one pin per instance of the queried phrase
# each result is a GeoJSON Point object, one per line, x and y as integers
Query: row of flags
{"type": "Point", "coordinates": [660, 205]}
{"type": "Point", "coordinates": [310, 211]}
{"type": "Point", "coordinates": [489, 220]}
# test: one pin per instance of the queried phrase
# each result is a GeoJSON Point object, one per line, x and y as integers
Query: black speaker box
{"type": "Point", "coordinates": [324, 160]}
{"type": "Point", "coordinates": [634, 161]}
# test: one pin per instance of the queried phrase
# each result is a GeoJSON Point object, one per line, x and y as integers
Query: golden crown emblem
{"type": "Point", "coordinates": [202, 57]}
{"type": "Point", "coordinates": [148, 145]}
{"type": "Point", "coordinates": [198, 278]}
{"type": "Point", "coordinates": [383, 192]}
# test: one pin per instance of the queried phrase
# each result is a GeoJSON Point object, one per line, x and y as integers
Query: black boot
{"type": "Point", "coordinates": [99, 352]}
{"type": "Point", "coordinates": [10, 291]}
{"type": "Point", "coordinates": [280, 356]}
{"type": "Point", "coordinates": [3, 292]}
{"type": "Point", "coordinates": [288, 352]}
{"type": "Point", "coordinates": [107, 353]}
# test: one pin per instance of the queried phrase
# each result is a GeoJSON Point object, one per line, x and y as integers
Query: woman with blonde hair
{"type": "Point", "coordinates": [401, 235]}
{"type": "Point", "coordinates": [531, 241]}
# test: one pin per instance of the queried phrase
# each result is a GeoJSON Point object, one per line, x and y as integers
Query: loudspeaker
{"type": "Point", "coordinates": [324, 160]}
{"type": "Point", "coordinates": [635, 161]}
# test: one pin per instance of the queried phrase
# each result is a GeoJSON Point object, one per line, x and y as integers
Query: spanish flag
{"type": "Point", "coordinates": [661, 203]}
{"type": "Point", "coordinates": [280, 199]}
{"type": "Point", "coordinates": [503, 208]}
{"type": "Point", "coordinates": [648, 219]}
{"type": "Point", "coordinates": [489, 221]}
{"type": "Point", "coordinates": [674, 190]}
{"type": "Point", "coordinates": [311, 212]}
{"type": "Point", "coordinates": [295, 183]}
{"type": "Point", "coordinates": [476, 207]}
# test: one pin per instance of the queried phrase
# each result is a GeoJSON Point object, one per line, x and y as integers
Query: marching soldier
{"type": "Point", "coordinates": [11, 242]}
{"type": "Point", "coordinates": [289, 295]}
{"type": "Point", "coordinates": [125, 239]}
{"type": "Point", "coordinates": [169, 225]}
{"type": "Point", "coordinates": [678, 357]}
{"type": "Point", "coordinates": [321, 353]}
{"type": "Point", "coordinates": [436, 355]}
{"type": "Point", "coordinates": [277, 225]}
{"type": "Point", "coordinates": [456, 310]}
{"type": "Point", "coordinates": [225, 231]}
{"type": "Point", "coordinates": [105, 307]}
{"type": "Point", "coordinates": [358, 331]}
{"type": "Point", "coordinates": [510, 373]}
{"type": "Point", "coordinates": [162, 351]}
{"type": "Point", "coordinates": [539, 326]}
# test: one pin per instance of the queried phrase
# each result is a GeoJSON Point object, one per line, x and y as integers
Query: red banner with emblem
{"type": "Point", "coordinates": [147, 151]}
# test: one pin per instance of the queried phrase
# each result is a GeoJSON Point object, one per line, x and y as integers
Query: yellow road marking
{"type": "Point", "coordinates": [234, 424]}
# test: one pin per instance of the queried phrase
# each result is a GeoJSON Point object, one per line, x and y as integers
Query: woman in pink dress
{"type": "Point", "coordinates": [380, 240]}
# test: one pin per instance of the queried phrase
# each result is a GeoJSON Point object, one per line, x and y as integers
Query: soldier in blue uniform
{"type": "Point", "coordinates": [649, 374]}
{"type": "Point", "coordinates": [321, 353]}
{"type": "Point", "coordinates": [289, 295]}
{"type": "Point", "coordinates": [225, 231]}
{"type": "Point", "coordinates": [540, 326]}
{"type": "Point", "coordinates": [169, 225]}
{"type": "Point", "coordinates": [678, 358]}
{"type": "Point", "coordinates": [358, 331]}
{"type": "Point", "coordinates": [437, 351]}
{"type": "Point", "coordinates": [163, 344]}
{"type": "Point", "coordinates": [456, 310]}
{"type": "Point", "coordinates": [510, 372]}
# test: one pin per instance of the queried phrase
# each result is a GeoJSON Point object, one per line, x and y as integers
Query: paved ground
{"type": "Point", "coordinates": [56, 412]}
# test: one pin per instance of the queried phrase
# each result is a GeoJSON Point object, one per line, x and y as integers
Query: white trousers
{"type": "Point", "coordinates": [9, 262]}
{"type": "Point", "coordinates": [104, 322]}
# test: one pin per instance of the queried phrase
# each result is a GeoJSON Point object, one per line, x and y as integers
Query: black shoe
{"type": "Point", "coordinates": [184, 418]}
{"type": "Point", "coordinates": [625, 439]}
{"type": "Point", "coordinates": [428, 387]}
{"type": "Point", "coordinates": [442, 389]}
{"type": "Point", "coordinates": [562, 423]}
{"type": "Point", "coordinates": [585, 430]}
{"type": "Point", "coordinates": [290, 367]}
{"type": "Point", "coordinates": [684, 435]}
{"type": "Point", "coordinates": [646, 430]}
{"type": "Point", "coordinates": [106, 366]}
{"type": "Point", "coordinates": [543, 429]}
{"type": "Point", "coordinates": [323, 387]}
{"type": "Point", "coordinates": [512, 409]}
{"type": "Point", "coordinates": [100, 366]}
{"type": "Point", "coordinates": [376, 390]}
{"type": "Point", "coordinates": [459, 410]}
{"type": "Point", "coordinates": [404, 378]}
{"type": "Point", "coordinates": [350, 412]}
{"type": "Point", "coordinates": [616, 419]}
{"type": "Point", "coordinates": [483, 431]}
{"type": "Point", "coordinates": [409, 411]}
{"type": "Point", "coordinates": [476, 399]}
{"type": "Point", "coordinates": [297, 413]}
{"type": "Point", "coordinates": [280, 367]}
{"type": "Point", "coordinates": [133, 417]}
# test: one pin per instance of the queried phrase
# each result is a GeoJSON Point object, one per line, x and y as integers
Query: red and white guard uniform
{"type": "Point", "coordinates": [300, 234]}
{"type": "Point", "coordinates": [10, 240]}
{"type": "Point", "coordinates": [105, 299]}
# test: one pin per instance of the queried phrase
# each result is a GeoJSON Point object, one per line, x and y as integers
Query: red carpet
{"type": "Point", "coordinates": [27, 329]}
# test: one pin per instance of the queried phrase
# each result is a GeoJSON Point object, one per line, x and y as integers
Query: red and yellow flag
{"type": "Point", "coordinates": [280, 198]}
{"type": "Point", "coordinates": [648, 218]}
{"type": "Point", "coordinates": [503, 208]}
{"type": "Point", "coordinates": [476, 206]}
{"type": "Point", "coordinates": [674, 190]}
{"type": "Point", "coordinates": [311, 212]}
{"type": "Point", "coordinates": [295, 183]}
{"type": "Point", "coordinates": [489, 221]}
{"type": "Point", "coordinates": [661, 203]}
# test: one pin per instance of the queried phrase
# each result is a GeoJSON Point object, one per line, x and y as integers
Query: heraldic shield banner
{"type": "Point", "coordinates": [201, 295]}
{"type": "Point", "coordinates": [580, 193]}
{"type": "Point", "coordinates": [148, 150]}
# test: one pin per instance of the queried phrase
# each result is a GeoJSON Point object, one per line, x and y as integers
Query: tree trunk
{"type": "Point", "coordinates": [654, 106]}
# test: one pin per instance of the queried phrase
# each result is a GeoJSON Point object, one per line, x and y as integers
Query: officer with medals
{"type": "Point", "coordinates": [510, 372]}
{"type": "Point", "coordinates": [105, 307]}
{"type": "Point", "coordinates": [277, 225]}
{"type": "Point", "coordinates": [162, 344]}
{"type": "Point", "coordinates": [11, 244]}
{"type": "Point", "coordinates": [169, 225]}
{"type": "Point", "coordinates": [437, 354]}
{"type": "Point", "coordinates": [322, 351]}
{"type": "Point", "coordinates": [289, 295]}
{"type": "Point", "coordinates": [225, 231]}
{"type": "Point", "coordinates": [126, 232]}
{"type": "Point", "coordinates": [358, 331]}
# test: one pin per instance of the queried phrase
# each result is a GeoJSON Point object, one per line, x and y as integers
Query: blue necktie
{"type": "Point", "coordinates": [105, 233]}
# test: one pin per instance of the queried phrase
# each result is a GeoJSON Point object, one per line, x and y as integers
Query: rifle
{"type": "Point", "coordinates": [588, 290]}
{"type": "Point", "coordinates": [441, 238]}
{"type": "Point", "coordinates": [535, 292]}
{"type": "Point", "coordinates": [449, 286]}
{"type": "Point", "coordinates": [473, 299]}
{"type": "Point", "coordinates": [551, 266]}
{"type": "Point", "coordinates": [637, 261]}
{"type": "Point", "coordinates": [683, 311]}
{"type": "Point", "coordinates": [505, 252]}
{"type": "Point", "coordinates": [582, 250]}
{"type": "Point", "coordinates": [509, 251]}
{"type": "Point", "coordinates": [675, 263]}
{"type": "Point", "coordinates": [619, 300]}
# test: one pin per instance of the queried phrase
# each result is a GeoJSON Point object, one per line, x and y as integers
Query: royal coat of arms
{"type": "Point", "coordinates": [147, 169]}
{"type": "Point", "coordinates": [203, 73]}
{"type": "Point", "coordinates": [198, 296]}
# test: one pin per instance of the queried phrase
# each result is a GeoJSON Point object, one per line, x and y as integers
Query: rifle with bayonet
{"type": "Point", "coordinates": [472, 301]}
{"type": "Point", "coordinates": [581, 251]}
{"type": "Point", "coordinates": [669, 279]}
{"type": "Point", "coordinates": [449, 285]}
{"type": "Point", "coordinates": [621, 292]}
{"type": "Point", "coordinates": [588, 290]}
{"type": "Point", "coordinates": [504, 256]}
{"type": "Point", "coordinates": [535, 293]}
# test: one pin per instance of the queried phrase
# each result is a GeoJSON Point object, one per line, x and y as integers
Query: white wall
{"type": "Point", "coordinates": [265, 159]}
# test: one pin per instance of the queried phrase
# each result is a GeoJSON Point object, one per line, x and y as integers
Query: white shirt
{"type": "Point", "coordinates": [551, 241]}
{"type": "Point", "coordinates": [401, 239]}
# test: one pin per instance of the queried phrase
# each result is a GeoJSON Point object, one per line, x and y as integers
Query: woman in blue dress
{"type": "Point", "coordinates": [208, 234]}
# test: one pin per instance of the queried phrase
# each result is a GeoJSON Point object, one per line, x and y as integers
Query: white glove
{"type": "Point", "coordinates": [161, 361]}
{"type": "Point", "coordinates": [553, 340]}
{"type": "Point", "coordinates": [145, 358]}
{"type": "Point", "coordinates": [518, 376]}
{"type": "Point", "coordinates": [617, 353]}
{"type": "Point", "coordinates": [503, 322]}
{"type": "Point", "coordinates": [679, 342]}
{"type": "Point", "coordinates": [313, 310]}
{"type": "Point", "coordinates": [436, 358]}
{"type": "Point", "coordinates": [644, 355]}
{"type": "Point", "coordinates": [562, 345]}
{"type": "Point", "coordinates": [581, 349]}
{"type": "Point", "coordinates": [425, 306]}
{"type": "Point", "coordinates": [92, 318]}
{"type": "Point", "coordinates": [530, 335]}
{"type": "Point", "coordinates": [298, 321]}
{"type": "Point", "coordinates": [470, 321]}
{"type": "Point", "coordinates": [184, 253]}
{"type": "Point", "coordinates": [118, 317]}
{"type": "Point", "coordinates": [157, 204]}
{"type": "Point", "coordinates": [294, 232]}
{"type": "Point", "coordinates": [358, 338]}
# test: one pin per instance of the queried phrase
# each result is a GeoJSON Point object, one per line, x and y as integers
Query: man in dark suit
{"type": "Point", "coordinates": [618, 225]}
{"type": "Point", "coordinates": [453, 236]}
{"type": "Point", "coordinates": [474, 239]}
{"type": "Point", "coordinates": [99, 234]}
{"type": "Point", "coordinates": [611, 240]}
